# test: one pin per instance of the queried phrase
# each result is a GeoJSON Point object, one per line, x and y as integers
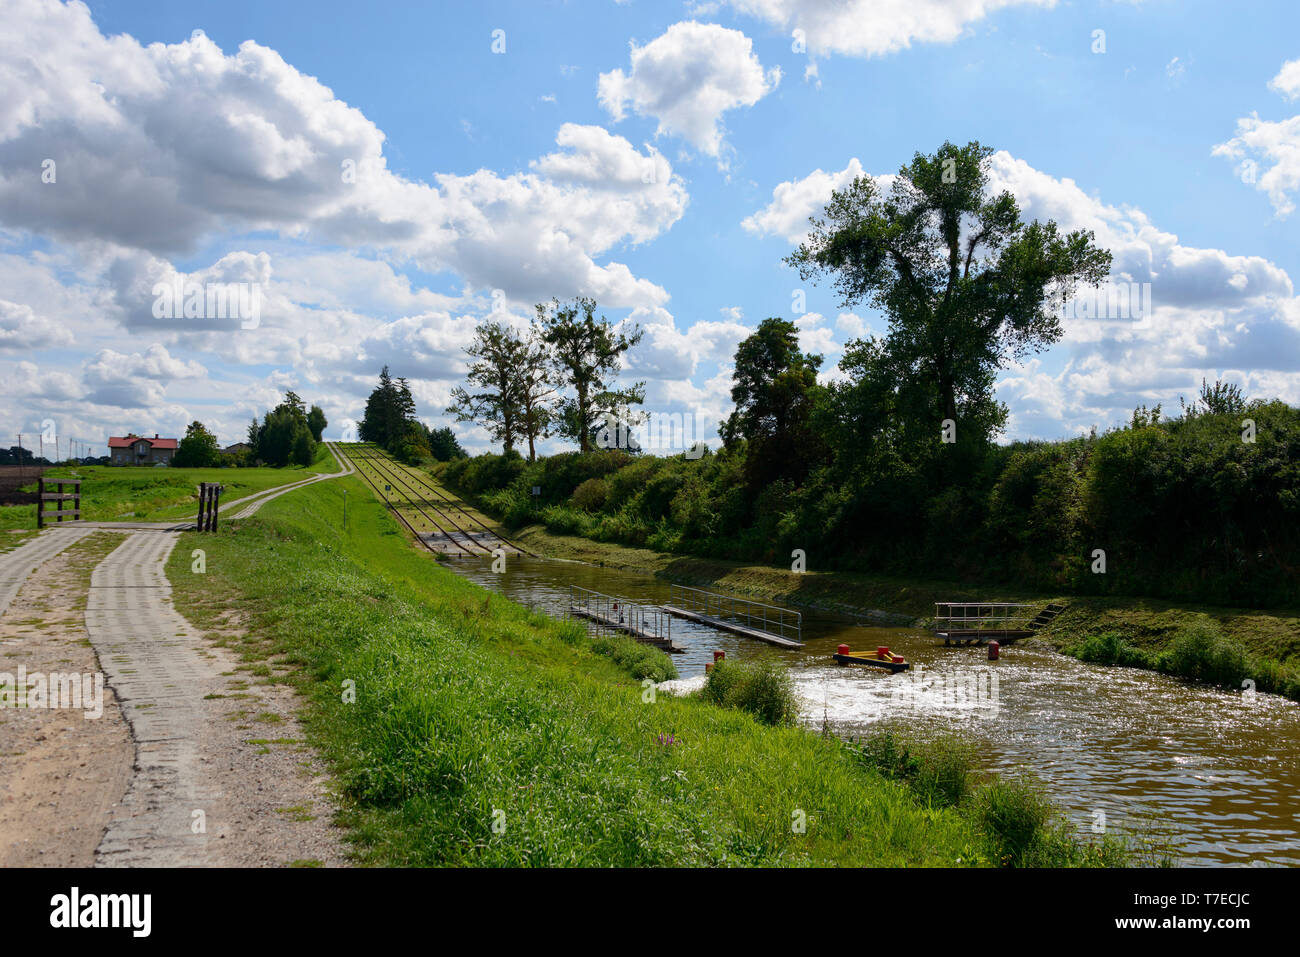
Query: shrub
{"type": "Point", "coordinates": [764, 688]}
{"type": "Point", "coordinates": [1016, 816]}
{"type": "Point", "coordinates": [590, 495]}
{"type": "Point", "coordinates": [1203, 653]}
{"type": "Point", "coordinates": [1110, 649]}
{"type": "Point", "coordinates": [939, 771]}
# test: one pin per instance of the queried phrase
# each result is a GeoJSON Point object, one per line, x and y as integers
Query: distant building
{"type": "Point", "coordinates": [237, 448]}
{"type": "Point", "coordinates": [139, 450]}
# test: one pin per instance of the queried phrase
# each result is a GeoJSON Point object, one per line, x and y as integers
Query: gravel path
{"type": "Point", "coordinates": [206, 787]}
{"type": "Point", "coordinates": [17, 564]}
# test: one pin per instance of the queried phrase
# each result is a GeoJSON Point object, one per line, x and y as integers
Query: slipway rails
{"type": "Point", "coordinates": [750, 619]}
{"type": "Point", "coordinates": [441, 532]}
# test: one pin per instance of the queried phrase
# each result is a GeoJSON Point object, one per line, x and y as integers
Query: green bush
{"type": "Point", "coordinates": [938, 770]}
{"type": "Point", "coordinates": [1016, 815]}
{"type": "Point", "coordinates": [1110, 649]}
{"type": "Point", "coordinates": [764, 688]}
{"type": "Point", "coordinates": [590, 495]}
{"type": "Point", "coordinates": [1202, 652]}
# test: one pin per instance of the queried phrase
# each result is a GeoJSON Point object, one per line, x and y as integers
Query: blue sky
{"type": "Point", "coordinates": [517, 172]}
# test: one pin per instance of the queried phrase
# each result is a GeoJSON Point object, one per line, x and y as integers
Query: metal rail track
{"type": "Point", "coordinates": [384, 469]}
{"type": "Point", "coordinates": [358, 460]}
{"type": "Point", "coordinates": [446, 499]}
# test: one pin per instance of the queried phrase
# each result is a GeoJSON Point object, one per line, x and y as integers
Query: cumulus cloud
{"type": "Point", "coordinates": [875, 27]}
{"type": "Point", "coordinates": [687, 79]}
{"type": "Point", "coordinates": [1287, 81]}
{"type": "Point", "coordinates": [796, 200]}
{"type": "Point", "coordinates": [22, 330]}
{"type": "Point", "coordinates": [159, 147]}
{"type": "Point", "coordinates": [136, 380]}
{"type": "Point", "coordinates": [1274, 144]}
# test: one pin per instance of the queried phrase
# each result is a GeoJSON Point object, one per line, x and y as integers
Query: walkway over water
{"type": "Point", "coordinates": [751, 619]}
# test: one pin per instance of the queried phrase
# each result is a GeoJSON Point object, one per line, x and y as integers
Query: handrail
{"type": "Point", "coordinates": [772, 619]}
{"type": "Point", "coordinates": [992, 621]}
{"type": "Point", "coordinates": [611, 611]}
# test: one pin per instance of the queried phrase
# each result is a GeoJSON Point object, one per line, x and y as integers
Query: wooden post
{"type": "Point", "coordinates": [40, 502]}
{"type": "Point", "coordinates": [203, 492]}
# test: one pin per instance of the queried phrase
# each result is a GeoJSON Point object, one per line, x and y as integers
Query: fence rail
{"type": "Point", "coordinates": [612, 613]}
{"type": "Point", "coordinates": [43, 515]}
{"type": "Point", "coordinates": [979, 616]}
{"type": "Point", "coordinates": [772, 619]}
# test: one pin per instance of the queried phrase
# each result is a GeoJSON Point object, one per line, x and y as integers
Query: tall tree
{"type": "Point", "coordinates": [588, 354]}
{"type": "Point", "coordinates": [497, 353]}
{"type": "Point", "coordinates": [444, 446]}
{"type": "Point", "coordinates": [316, 421]}
{"type": "Point", "coordinates": [775, 390]}
{"type": "Point", "coordinates": [965, 283]}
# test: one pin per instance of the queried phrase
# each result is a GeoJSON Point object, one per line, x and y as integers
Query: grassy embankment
{"type": "Point", "coordinates": [471, 711]}
{"type": "Point", "coordinates": [1222, 645]}
{"type": "Point", "coordinates": [127, 493]}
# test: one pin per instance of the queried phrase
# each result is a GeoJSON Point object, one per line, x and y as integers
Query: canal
{"type": "Point", "coordinates": [1217, 772]}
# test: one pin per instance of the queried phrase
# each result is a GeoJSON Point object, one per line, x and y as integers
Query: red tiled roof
{"type": "Point", "coordinates": [126, 441]}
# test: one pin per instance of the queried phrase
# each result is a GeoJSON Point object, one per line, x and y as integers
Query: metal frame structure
{"type": "Point", "coordinates": [612, 613]}
{"type": "Point", "coordinates": [756, 615]}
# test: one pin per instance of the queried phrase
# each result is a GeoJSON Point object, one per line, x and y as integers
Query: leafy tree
{"type": "Point", "coordinates": [497, 353]}
{"type": "Point", "coordinates": [198, 449]}
{"type": "Point", "coordinates": [316, 421]}
{"type": "Point", "coordinates": [775, 392]}
{"type": "Point", "coordinates": [284, 436]}
{"type": "Point", "coordinates": [444, 446]}
{"type": "Point", "coordinates": [1222, 398]}
{"type": "Point", "coordinates": [588, 355]}
{"type": "Point", "coordinates": [965, 283]}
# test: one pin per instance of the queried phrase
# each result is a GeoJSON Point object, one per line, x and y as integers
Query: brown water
{"type": "Point", "coordinates": [1218, 771]}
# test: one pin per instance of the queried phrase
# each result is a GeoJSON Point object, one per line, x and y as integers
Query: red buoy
{"type": "Point", "coordinates": [719, 654]}
{"type": "Point", "coordinates": [842, 650]}
{"type": "Point", "coordinates": [882, 651]}
{"type": "Point", "coordinates": [994, 648]}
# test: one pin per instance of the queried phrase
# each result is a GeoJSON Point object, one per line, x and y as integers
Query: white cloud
{"type": "Point", "coordinates": [1273, 142]}
{"type": "Point", "coordinates": [795, 200]}
{"type": "Point", "coordinates": [159, 147]}
{"type": "Point", "coordinates": [874, 27]}
{"type": "Point", "coordinates": [1287, 81]}
{"type": "Point", "coordinates": [687, 79]}
{"type": "Point", "coordinates": [21, 329]}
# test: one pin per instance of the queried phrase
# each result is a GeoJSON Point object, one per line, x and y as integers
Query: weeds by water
{"type": "Point", "coordinates": [764, 688]}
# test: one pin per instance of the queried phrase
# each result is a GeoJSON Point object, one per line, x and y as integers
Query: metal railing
{"type": "Point", "coordinates": [608, 613]}
{"type": "Point", "coordinates": [980, 616]}
{"type": "Point", "coordinates": [752, 614]}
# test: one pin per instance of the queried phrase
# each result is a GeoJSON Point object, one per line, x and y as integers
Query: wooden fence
{"type": "Point", "coordinates": [43, 496]}
{"type": "Point", "coordinates": [209, 499]}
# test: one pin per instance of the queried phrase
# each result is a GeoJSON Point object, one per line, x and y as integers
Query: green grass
{"type": "Point", "coordinates": [486, 734]}
{"type": "Point", "coordinates": [132, 493]}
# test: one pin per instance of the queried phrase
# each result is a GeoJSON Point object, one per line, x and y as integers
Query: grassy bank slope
{"type": "Point", "coordinates": [470, 710]}
{"type": "Point", "coordinates": [1268, 640]}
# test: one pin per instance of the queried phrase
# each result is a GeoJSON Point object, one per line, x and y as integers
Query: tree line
{"type": "Point", "coordinates": [390, 421]}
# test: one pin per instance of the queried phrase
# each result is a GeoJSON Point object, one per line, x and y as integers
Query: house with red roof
{"type": "Point", "coordinates": [135, 449]}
